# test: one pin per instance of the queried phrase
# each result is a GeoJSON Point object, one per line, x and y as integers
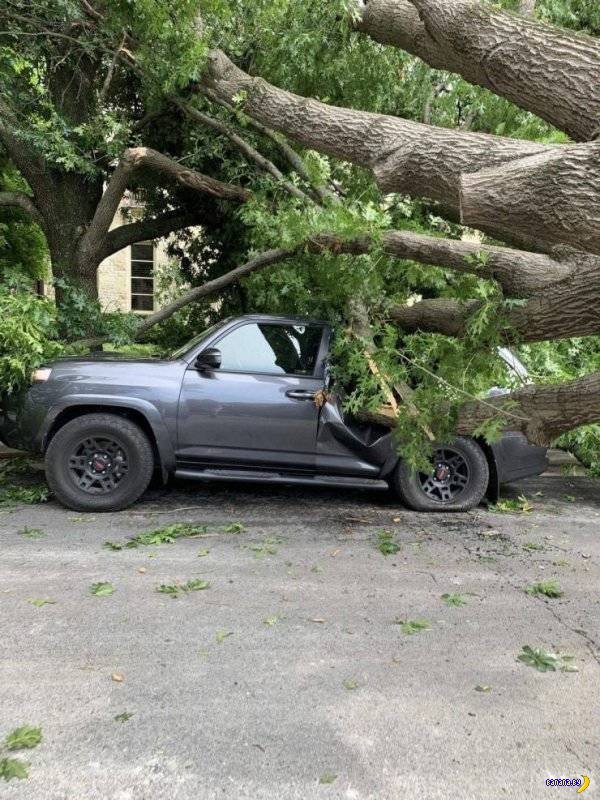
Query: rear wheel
{"type": "Point", "coordinates": [99, 462]}
{"type": "Point", "coordinates": [458, 480]}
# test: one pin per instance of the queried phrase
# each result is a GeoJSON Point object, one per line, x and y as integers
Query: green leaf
{"type": "Point", "coordinates": [547, 588]}
{"type": "Point", "coordinates": [350, 684]}
{"type": "Point", "coordinates": [195, 585]}
{"type": "Point", "coordinates": [454, 599]}
{"type": "Point", "coordinates": [39, 602]}
{"type": "Point", "coordinates": [124, 716]}
{"type": "Point", "coordinates": [539, 658]}
{"type": "Point", "coordinates": [234, 527]}
{"type": "Point", "coordinates": [386, 543]}
{"type": "Point", "coordinates": [327, 777]}
{"type": "Point", "coordinates": [26, 736]}
{"type": "Point", "coordinates": [412, 626]}
{"type": "Point", "coordinates": [220, 636]}
{"type": "Point", "coordinates": [102, 589]}
{"type": "Point", "coordinates": [13, 768]}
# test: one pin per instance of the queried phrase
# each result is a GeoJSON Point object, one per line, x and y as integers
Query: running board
{"type": "Point", "coordinates": [256, 476]}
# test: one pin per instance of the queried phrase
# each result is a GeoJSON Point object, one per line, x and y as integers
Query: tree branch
{"type": "Point", "coordinates": [541, 412]}
{"type": "Point", "coordinates": [143, 157]}
{"type": "Point", "coordinates": [24, 202]}
{"type": "Point", "coordinates": [560, 311]}
{"type": "Point", "coordinates": [520, 273]}
{"type": "Point", "coordinates": [249, 152]}
{"type": "Point", "coordinates": [258, 262]}
{"type": "Point", "coordinates": [323, 193]}
{"type": "Point", "coordinates": [150, 228]}
{"type": "Point", "coordinates": [513, 56]}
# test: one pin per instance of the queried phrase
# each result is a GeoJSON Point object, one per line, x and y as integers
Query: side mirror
{"type": "Point", "coordinates": [208, 359]}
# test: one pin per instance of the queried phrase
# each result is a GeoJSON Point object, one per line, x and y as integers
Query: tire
{"type": "Point", "coordinates": [109, 441]}
{"type": "Point", "coordinates": [464, 487]}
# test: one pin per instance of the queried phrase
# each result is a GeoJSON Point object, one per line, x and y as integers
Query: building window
{"type": "Point", "coordinates": [142, 276]}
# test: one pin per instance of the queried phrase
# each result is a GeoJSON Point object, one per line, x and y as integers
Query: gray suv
{"type": "Point", "coordinates": [243, 401]}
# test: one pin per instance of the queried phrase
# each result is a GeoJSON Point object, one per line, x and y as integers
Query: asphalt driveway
{"type": "Point", "coordinates": [313, 666]}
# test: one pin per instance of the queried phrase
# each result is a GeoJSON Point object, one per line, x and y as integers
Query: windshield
{"type": "Point", "coordinates": [198, 339]}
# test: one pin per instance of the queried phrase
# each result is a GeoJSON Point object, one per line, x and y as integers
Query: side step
{"type": "Point", "coordinates": [257, 476]}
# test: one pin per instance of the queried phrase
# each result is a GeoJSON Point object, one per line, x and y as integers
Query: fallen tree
{"type": "Point", "coordinates": [539, 198]}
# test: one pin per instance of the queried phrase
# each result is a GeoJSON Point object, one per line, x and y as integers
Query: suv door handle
{"type": "Point", "coordinates": [300, 394]}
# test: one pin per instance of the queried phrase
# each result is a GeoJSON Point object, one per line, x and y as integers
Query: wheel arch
{"type": "Point", "coordinates": [161, 446]}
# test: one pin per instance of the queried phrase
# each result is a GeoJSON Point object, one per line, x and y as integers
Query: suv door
{"type": "Point", "coordinates": [257, 409]}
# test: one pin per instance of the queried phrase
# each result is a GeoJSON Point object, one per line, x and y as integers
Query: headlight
{"type": "Point", "coordinates": [41, 375]}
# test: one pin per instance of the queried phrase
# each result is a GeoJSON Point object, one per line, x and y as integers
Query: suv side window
{"type": "Point", "coordinates": [273, 349]}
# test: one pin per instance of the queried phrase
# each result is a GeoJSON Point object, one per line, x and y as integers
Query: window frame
{"type": "Point", "coordinates": [319, 368]}
{"type": "Point", "coordinates": [133, 277]}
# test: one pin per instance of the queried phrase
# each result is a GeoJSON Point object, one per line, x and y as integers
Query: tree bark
{"type": "Point", "coordinates": [91, 244]}
{"type": "Point", "coordinates": [520, 273]}
{"type": "Point", "coordinates": [562, 310]}
{"type": "Point", "coordinates": [549, 71]}
{"type": "Point", "coordinates": [557, 194]}
{"type": "Point", "coordinates": [541, 412]}
{"type": "Point", "coordinates": [549, 410]}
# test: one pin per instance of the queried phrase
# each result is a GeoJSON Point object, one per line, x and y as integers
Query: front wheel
{"type": "Point", "coordinates": [99, 462]}
{"type": "Point", "coordinates": [458, 480]}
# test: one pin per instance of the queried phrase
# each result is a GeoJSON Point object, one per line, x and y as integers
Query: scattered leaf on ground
{"type": "Point", "coordinates": [31, 533]}
{"type": "Point", "coordinates": [521, 506]}
{"type": "Point", "coordinates": [220, 636]}
{"type": "Point", "coordinates": [411, 626]}
{"type": "Point", "coordinates": [233, 527]}
{"type": "Point", "coordinates": [454, 599]}
{"type": "Point", "coordinates": [124, 716]}
{"type": "Point", "coordinates": [482, 687]}
{"type": "Point", "coordinates": [25, 737]}
{"type": "Point", "coordinates": [547, 588]}
{"type": "Point", "coordinates": [38, 602]}
{"type": "Point", "coordinates": [386, 543]}
{"type": "Point", "coordinates": [117, 677]}
{"type": "Point", "coordinates": [202, 553]}
{"type": "Point", "coordinates": [538, 658]}
{"type": "Point", "coordinates": [13, 768]}
{"type": "Point", "coordinates": [102, 589]}
{"type": "Point", "coordinates": [350, 684]}
{"type": "Point", "coordinates": [327, 777]}
{"type": "Point", "coordinates": [270, 621]}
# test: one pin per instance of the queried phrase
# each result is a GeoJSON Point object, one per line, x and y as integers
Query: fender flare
{"type": "Point", "coordinates": [150, 413]}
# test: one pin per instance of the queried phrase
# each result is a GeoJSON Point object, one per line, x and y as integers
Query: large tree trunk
{"type": "Point", "coordinates": [549, 71]}
{"type": "Point", "coordinates": [497, 184]}
{"type": "Point", "coordinates": [541, 412]}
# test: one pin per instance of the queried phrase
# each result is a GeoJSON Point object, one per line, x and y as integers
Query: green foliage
{"type": "Point", "coordinates": [547, 588]}
{"type": "Point", "coordinates": [387, 544]}
{"type": "Point", "coordinates": [545, 660]}
{"type": "Point", "coordinates": [26, 737]}
{"type": "Point", "coordinates": [412, 626]}
{"type": "Point", "coordinates": [454, 599]}
{"type": "Point", "coordinates": [28, 331]}
{"type": "Point", "coordinates": [28, 495]}
{"type": "Point", "coordinates": [520, 505]}
{"type": "Point", "coordinates": [102, 589]}
{"type": "Point", "coordinates": [13, 768]}
{"type": "Point", "coordinates": [173, 589]}
{"type": "Point", "coordinates": [165, 535]}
